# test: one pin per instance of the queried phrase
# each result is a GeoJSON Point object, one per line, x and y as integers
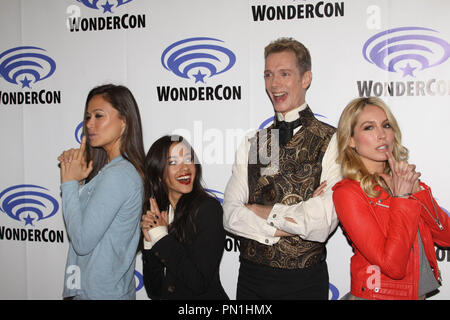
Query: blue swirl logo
{"type": "Point", "coordinates": [268, 122]}
{"type": "Point", "coordinates": [26, 65]}
{"type": "Point", "coordinates": [106, 5]}
{"type": "Point", "coordinates": [79, 132]}
{"type": "Point", "coordinates": [334, 291]}
{"type": "Point", "coordinates": [139, 280]}
{"type": "Point", "coordinates": [28, 203]}
{"type": "Point", "coordinates": [406, 50]}
{"type": "Point", "coordinates": [198, 58]}
{"type": "Point", "coordinates": [219, 195]}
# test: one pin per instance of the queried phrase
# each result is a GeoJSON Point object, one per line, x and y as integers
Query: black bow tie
{"type": "Point", "coordinates": [286, 130]}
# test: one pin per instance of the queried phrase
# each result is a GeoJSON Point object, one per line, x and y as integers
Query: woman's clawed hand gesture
{"type": "Point", "coordinates": [153, 218]}
{"type": "Point", "coordinates": [404, 179]}
{"type": "Point", "coordinates": [73, 164]}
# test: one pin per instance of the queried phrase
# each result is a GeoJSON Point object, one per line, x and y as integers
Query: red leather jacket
{"type": "Point", "coordinates": [383, 234]}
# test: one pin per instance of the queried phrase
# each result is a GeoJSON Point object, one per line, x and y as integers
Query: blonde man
{"type": "Point", "coordinates": [284, 216]}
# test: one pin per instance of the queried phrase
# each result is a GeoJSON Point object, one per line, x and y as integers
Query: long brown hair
{"type": "Point", "coordinates": [131, 145]}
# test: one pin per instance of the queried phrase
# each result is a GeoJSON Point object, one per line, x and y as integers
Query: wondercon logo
{"type": "Point", "coordinates": [406, 50]}
{"type": "Point", "coordinates": [26, 65]}
{"type": "Point", "coordinates": [105, 5]}
{"type": "Point", "coordinates": [334, 291]}
{"type": "Point", "coordinates": [28, 203]}
{"type": "Point", "coordinates": [79, 132]}
{"type": "Point", "coordinates": [139, 278]}
{"type": "Point", "coordinates": [198, 58]}
{"type": "Point", "coordinates": [219, 195]}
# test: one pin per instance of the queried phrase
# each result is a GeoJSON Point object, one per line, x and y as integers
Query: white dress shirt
{"type": "Point", "coordinates": [315, 218]}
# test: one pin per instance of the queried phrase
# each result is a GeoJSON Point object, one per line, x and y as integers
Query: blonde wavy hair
{"type": "Point", "coordinates": [351, 165]}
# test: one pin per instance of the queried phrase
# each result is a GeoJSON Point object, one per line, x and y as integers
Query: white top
{"type": "Point", "coordinates": [315, 218]}
{"type": "Point", "coordinates": [159, 232]}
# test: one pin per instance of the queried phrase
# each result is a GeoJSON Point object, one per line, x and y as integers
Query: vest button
{"type": "Point", "coordinates": [171, 289]}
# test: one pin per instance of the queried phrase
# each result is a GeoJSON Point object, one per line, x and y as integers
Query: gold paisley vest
{"type": "Point", "coordinates": [297, 176]}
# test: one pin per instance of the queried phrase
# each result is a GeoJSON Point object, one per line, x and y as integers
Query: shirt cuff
{"type": "Point", "coordinates": [69, 185]}
{"type": "Point", "coordinates": [147, 245]}
{"type": "Point", "coordinates": [269, 237]}
{"type": "Point", "coordinates": [276, 216]}
{"type": "Point", "coordinates": [267, 232]}
{"type": "Point", "coordinates": [155, 234]}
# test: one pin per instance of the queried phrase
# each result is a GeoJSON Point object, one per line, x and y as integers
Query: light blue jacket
{"type": "Point", "coordinates": [102, 222]}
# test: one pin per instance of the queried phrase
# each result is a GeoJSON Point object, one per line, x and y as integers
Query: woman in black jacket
{"type": "Point", "coordinates": [182, 226]}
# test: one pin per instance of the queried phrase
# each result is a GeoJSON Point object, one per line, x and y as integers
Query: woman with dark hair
{"type": "Point", "coordinates": [102, 186]}
{"type": "Point", "coordinates": [182, 226]}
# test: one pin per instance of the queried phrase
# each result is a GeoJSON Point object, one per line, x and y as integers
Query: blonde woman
{"type": "Point", "coordinates": [390, 217]}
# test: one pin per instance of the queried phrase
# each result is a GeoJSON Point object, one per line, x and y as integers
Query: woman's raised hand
{"type": "Point", "coordinates": [404, 179]}
{"type": "Point", "coordinates": [73, 164]}
{"type": "Point", "coordinates": [153, 218]}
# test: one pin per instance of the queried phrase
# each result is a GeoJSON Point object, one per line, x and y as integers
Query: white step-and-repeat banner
{"type": "Point", "coordinates": [52, 52]}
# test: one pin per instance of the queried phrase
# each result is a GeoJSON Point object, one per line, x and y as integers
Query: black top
{"type": "Point", "coordinates": [190, 270]}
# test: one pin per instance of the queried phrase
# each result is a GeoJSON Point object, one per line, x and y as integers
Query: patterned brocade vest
{"type": "Point", "coordinates": [297, 176]}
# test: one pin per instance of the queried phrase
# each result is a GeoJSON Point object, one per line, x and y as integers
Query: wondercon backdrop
{"type": "Point", "coordinates": [196, 69]}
